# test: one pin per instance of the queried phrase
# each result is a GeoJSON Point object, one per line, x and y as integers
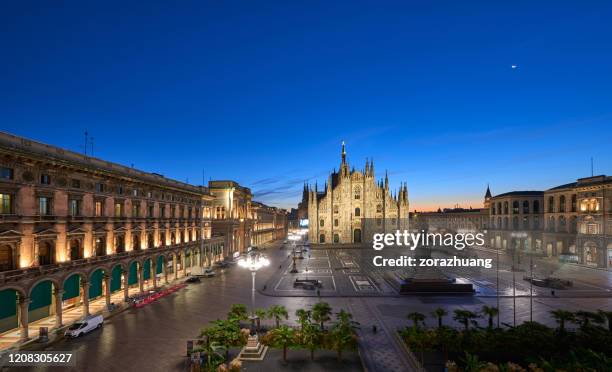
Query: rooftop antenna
{"type": "Point", "coordinates": [86, 141]}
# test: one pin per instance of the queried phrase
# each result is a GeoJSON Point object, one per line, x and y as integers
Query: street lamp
{"type": "Point", "coordinates": [517, 235]}
{"type": "Point", "coordinates": [253, 261]}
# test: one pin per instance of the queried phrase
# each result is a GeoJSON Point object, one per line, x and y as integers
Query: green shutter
{"type": "Point", "coordinates": [160, 264]}
{"type": "Point", "coordinates": [146, 274]}
{"type": "Point", "coordinates": [8, 303]}
{"type": "Point", "coordinates": [133, 279]}
{"type": "Point", "coordinates": [95, 287]}
{"type": "Point", "coordinates": [116, 279]}
{"type": "Point", "coordinates": [71, 287]}
{"type": "Point", "coordinates": [41, 296]}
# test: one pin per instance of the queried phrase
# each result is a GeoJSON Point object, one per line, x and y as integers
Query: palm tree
{"type": "Point", "coordinates": [226, 333]}
{"type": "Point", "coordinates": [321, 312]}
{"type": "Point", "coordinates": [277, 312]}
{"type": "Point", "coordinates": [214, 354]}
{"type": "Point", "coordinates": [439, 313]}
{"type": "Point", "coordinates": [586, 317]}
{"type": "Point", "coordinates": [345, 319]}
{"type": "Point", "coordinates": [284, 337]}
{"type": "Point", "coordinates": [261, 314]}
{"type": "Point", "coordinates": [416, 318]}
{"type": "Point", "coordinates": [464, 317]}
{"type": "Point", "coordinates": [311, 338]}
{"type": "Point", "coordinates": [491, 312]}
{"type": "Point", "coordinates": [562, 316]}
{"type": "Point", "coordinates": [238, 311]}
{"type": "Point", "coordinates": [303, 317]}
{"type": "Point", "coordinates": [341, 338]}
{"type": "Point", "coordinates": [608, 316]}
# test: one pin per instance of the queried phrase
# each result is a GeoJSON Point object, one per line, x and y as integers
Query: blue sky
{"type": "Point", "coordinates": [264, 92]}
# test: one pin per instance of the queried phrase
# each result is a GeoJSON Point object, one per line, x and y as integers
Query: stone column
{"type": "Point", "coordinates": [141, 278]}
{"type": "Point", "coordinates": [107, 292]}
{"type": "Point", "coordinates": [154, 272]}
{"type": "Point", "coordinates": [23, 318]}
{"type": "Point", "coordinates": [85, 285]}
{"type": "Point", "coordinates": [174, 259]}
{"type": "Point", "coordinates": [165, 270]}
{"type": "Point", "coordinates": [58, 308]}
{"type": "Point", "coordinates": [126, 288]}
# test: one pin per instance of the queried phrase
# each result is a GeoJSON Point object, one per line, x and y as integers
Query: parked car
{"type": "Point", "coordinates": [209, 273]}
{"type": "Point", "coordinates": [87, 325]}
{"type": "Point", "coordinates": [192, 279]}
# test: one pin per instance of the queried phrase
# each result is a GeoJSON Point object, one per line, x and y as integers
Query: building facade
{"type": "Point", "coordinates": [270, 223]}
{"type": "Point", "coordinates": [452, 220]}
{"type": "Point", "coordinates": [338, 214]}
{"type": "Point", "coordinates": [75, 228]}
{"type": "Point", "coordinates": [594, 237]}
{"type": "Point", "coordinates": [242, 221]}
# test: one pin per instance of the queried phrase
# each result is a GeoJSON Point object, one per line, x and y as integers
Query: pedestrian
{"type": "Point", "coordinates": [318, 293]}
{"type": "Point", "coordinates": [280, 267]}
{"type": "Point", "coordinates": [373, 328]}
{"type": "Point", "coordinates": [265, 286]}
{"type": "Point", "coordinates": [552, 292]}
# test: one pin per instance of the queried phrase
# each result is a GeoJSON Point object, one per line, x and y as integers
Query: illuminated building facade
{"type": "Point", "coordinates": [350, 197]}
{"type": "Point", "coordinates": [74, 228]}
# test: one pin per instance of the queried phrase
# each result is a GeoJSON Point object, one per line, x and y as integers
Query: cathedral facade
{"type": "Point", "coordinates": [353, 205]}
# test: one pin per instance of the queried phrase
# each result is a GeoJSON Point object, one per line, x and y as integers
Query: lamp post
{"type": "Point", "coordinates": [253, 261]}
{"type": "Point", "coordinates": [516, 235]}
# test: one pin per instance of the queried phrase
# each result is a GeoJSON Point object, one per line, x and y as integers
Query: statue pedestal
{"type": "Point", "coordinates": [253, 350]}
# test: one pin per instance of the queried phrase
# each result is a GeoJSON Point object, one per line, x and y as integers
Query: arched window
{"type": "Point", "coordinates": [357, 212]}
{"type": "Point", "coordinates": [525, 223]}
{"type": "Point", "coordinates": [162, 239]}
{"type": "Point", "coordinates": [562, 204]}
{"type": "Point", "coordinates": [551, 204]}
{"type": "Point", "coordinates": [515, 223]}
{"type": "Point", "coordinates": [322, 223]}
{"type": "Point", "coordinates": [150, 240]}
{"type": "Point", "coordinates": [46, 253]}
{"type": "Point", "coordinates": [335, 209]}
{"type": "Point", "coordinates": [336, 238]}
{"type": "Point", "coordinates": [357, 236]}
{"type": "Point", "coordinates": [525, 207]}
{"type": "Point", "coordinates": [505, 207]}
{"type": "Point", "coordinates": [336, 222]}
{"type": "Point", "coordinates": [574, 203]}
{"type": "Point", "coordinates": [551, 223]}
{"type": "Point", "coordinates": [506, 222]}
{"type": "Point", "coordinates": [357, 192]}
{"type": "Point", "coordinates": [499, 208]}
{"type": "Point", "coordinates": [515, 207]}
{"type": "Point", "coordinates": [536, 206]}
{"type": "Point", "coordinates": [322, 238]}
{"type": "Point", "coordinates": [562, 224]}
{"type": "Point", "coordinates": [573, 225]}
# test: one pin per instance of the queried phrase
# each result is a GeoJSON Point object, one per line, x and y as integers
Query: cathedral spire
{"type": "Point", "coordinates": [343, 153]}
{"type": "Point", "coordinates": [367, 168]}
{"type": "Point", "coordinates": [386, 180]}
{"type": "Point", "coordinates": [488, 193]}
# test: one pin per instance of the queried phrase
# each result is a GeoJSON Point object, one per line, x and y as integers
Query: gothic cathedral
{"type": "Point", "coordinates": [353, 205]}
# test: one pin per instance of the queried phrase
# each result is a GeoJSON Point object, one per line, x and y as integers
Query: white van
{"type": "Point", "coordinates": [84, 326]}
